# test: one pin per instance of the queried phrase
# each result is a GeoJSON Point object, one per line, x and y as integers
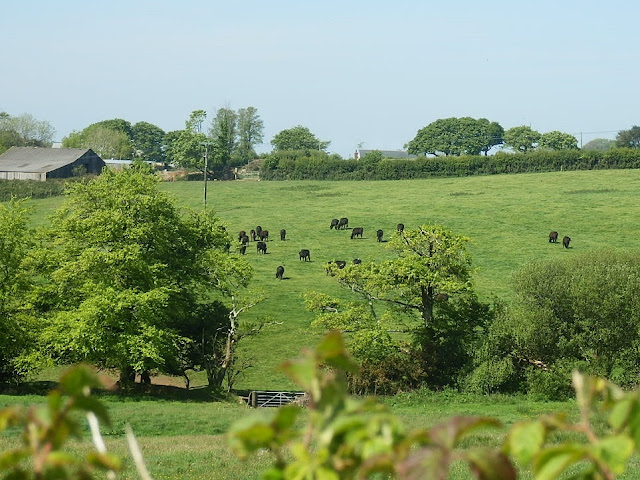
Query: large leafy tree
{"type": "Point", "coordinates": [572, 313]}
{"type": "Point", "coordinates": [250, 133]}
{"type": "Point", "coordinates": [186, 148]}
{"type": "Point", "coordinates": [297, 138]}
{"type": "Point", "coordinates": [522, 138]}
{"type": "Point", "coordinates": [24, 131]}
{"type": "Point", "coordinates": [108, 138]}
{"type": "Point", "coordinates": [556, 140]}
{"type": "Point", "coordinates": [17, 325]}
{"type": "Point", "coordinates": [599, 144]}
{"type": "Point", "coordinates": [629, 138]}
{"type": "Point", "coordinates": [148, 142]}
{"type": "Point", "coordinates": [426, 290]}
{"type": "Point", "coordinates": [128, 276]}
{"type": "Point", "coordinates": [456, 136]}
{"type": "Point", "coordinates": [430, 261]}
{"type": "Point", "coordinates": [223, 133]}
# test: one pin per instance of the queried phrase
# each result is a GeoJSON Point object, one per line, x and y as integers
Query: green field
{"type": "Point", "coordinates": [508, 218]}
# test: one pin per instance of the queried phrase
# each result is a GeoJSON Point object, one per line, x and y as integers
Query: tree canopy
{"type": "Point", "coordinates": [129, 276]}
{"type": "Point", "coordinates": [629, 138]}
{"type": "Point", "coordinates": [599, 144]}
{"type": "Point", "coordinates": [580, 313]}
{"type": "Point", "coordinates": [522, 138]}
{"type": "Point", "coordinates": [24, 131]}
{"type": "Point", "coordinates": [456, 136]}
{"type": "Point", "coordinates": [557, 140]}
{"type": "Point", "coordinates": [297, 138]}
{"type": "Point", "coordinates": [108, 138]}
{"type": "Point", "coordinates": [17, 325]}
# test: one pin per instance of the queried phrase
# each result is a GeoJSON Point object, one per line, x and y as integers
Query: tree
{"type": "Point", "coordinates": [456, 136]}
{"type": "Point", "coordinates": [297, 138]}
{"type": "Point", "coordinates": [17, 324]}
{"type": "Point", "coordinates": [148, 142]}
{"type": "Point", "coordinates": [108, 138]}
{"type": "Point", "coordinates": [521, 139]}
{"type": "Point", "coordinates": [556, 140]}
{"type": "Point", "coordinates": [430, 279]}
{"type": "Point", "coordinates": [24, 131]}
{"type": "Point", "coordinates": [185, 148]}
{"type": "Point", "coordinates": [431, 261]}
{"type": "Point", "coordinates": [599, 144]}
{"type": "Point", "coordinates": [629, 138]}
{"type": "Point", "coordinates": [250, 133]}
{"type": "Point", "coordinates": [129, 274]}
{"type": "Point", "coordinates": [492, 134]}
{"type": "Point", "coordinates": [223, 134]}
{"type": "Point", "coordinates": [572, 313]}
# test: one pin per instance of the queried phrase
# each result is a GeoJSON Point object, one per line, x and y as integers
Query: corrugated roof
{"type": "Point", "coordinates": [38, 159]}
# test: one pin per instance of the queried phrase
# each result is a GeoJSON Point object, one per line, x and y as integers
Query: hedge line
{"type": "Point", "coordinates": [30, 188]}
{"type": "Point", "coordinates": [306, 166]}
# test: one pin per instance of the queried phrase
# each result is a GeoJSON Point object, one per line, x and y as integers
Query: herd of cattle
{"type": "Point", "coordinates": [261, 237]}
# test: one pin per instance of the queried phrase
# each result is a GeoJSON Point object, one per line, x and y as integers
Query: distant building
{"type": "Point", "coordinates": [385, 153]}
{"type": "Point", "coordinates": [37, 163]}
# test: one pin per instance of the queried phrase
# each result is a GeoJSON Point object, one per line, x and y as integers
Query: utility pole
{"type": "Point", "coordinates": [206, 158]}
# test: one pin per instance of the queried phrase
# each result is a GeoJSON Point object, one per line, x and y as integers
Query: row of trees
{"type": "Point", "coordinates": [122, 280]}
{"type": "Point", "coordinates": [469, 136]}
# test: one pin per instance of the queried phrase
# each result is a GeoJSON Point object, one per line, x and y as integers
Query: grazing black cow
{"type": "Point", "coordinates": [553, 237]}
{"type": "Point", "coordinates": [279, 272]}
{"type": "Point", "coordinates": [400, 227]}
{"type": "Point", "coordinates": [253, 235]}
{"type": "Point", "coordinates": [244, 240]}
{"type": "Point", "coordinates": [242, 249]}
{"type": "Point", "coordinates": [340, 263]}
{"type": "Point", "coordinates": [258, 230]}
{"type": "Point", "coordinates": [261, 247]}
{"type": "Point", "coordinates": [241, 234]}
{"type": "Point", "coordinates": [264, 235]}
{"type": "Point", "coordinates": [357, 261]}
{"type": "Point", "coordinates": [283, 234]}
{"type": "Point", "coordinates": [343, 223]}
{"type": "Point", "coordinates": [305, 255]}
{"type": "Point", "coordinates": [379, 234]}
{"type": "Point", "coordinates": [357, 232]}
{"type": "Point", "coordinates": [334, 223]}
{"type": "Point", "coordinates": [565, 242]}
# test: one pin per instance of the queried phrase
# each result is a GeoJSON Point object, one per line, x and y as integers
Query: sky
{"type": "Point", "coordinates": [356, 73]}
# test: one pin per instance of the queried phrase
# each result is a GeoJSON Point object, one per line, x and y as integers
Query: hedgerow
{"type": "Point", "coordinates": [317, 165]}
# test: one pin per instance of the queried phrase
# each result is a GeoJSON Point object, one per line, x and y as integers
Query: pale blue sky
{"type": "Point", "coordinates": [351, 71]}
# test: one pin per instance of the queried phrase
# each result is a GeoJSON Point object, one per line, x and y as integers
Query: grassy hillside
{"type": "Point", "coordinates": [508, 218]}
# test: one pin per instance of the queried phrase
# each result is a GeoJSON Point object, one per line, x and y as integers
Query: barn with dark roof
{"type": "Point", "coordinates": [36, 163]}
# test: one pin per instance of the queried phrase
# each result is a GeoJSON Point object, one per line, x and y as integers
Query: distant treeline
{"type": "Point", "coordinates": [30, 188]}
{"type": "Point", "coordinates": [317, 165]}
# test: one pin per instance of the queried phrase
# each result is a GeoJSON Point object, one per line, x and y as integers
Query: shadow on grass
{"type": "Point", "coordinates": [136, 391]}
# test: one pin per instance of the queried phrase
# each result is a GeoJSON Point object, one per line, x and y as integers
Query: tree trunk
{"type": "Point", "coordinates": [127, 376]}
{"type": "Point", "coordinates": [427, 305]}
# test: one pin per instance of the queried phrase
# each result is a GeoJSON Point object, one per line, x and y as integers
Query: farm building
{"type": "Point", "coordinates": [36, 163]}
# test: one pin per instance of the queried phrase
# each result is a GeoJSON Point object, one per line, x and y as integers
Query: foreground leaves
{"type": "Point", "coordinates": [347, 438]}
{"type": "Point", "coordinates": [46, 429]}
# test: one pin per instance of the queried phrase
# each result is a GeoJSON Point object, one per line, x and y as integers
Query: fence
{"type": "Point", "coordinates": [258, 398]}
